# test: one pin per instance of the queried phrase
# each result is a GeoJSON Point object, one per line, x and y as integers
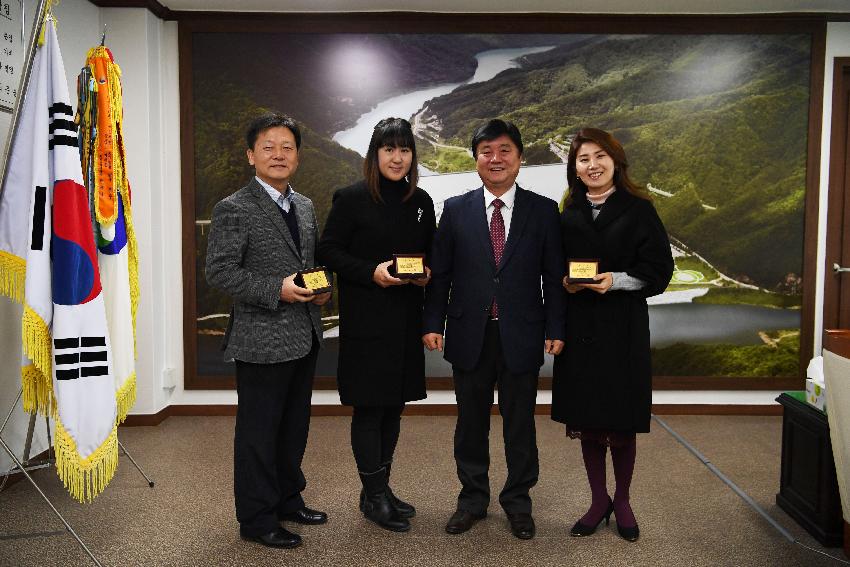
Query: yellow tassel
{"type": "Point", "coordinates": [13, 275]}
{"type": "Point", "coordinates": [85, 478]}
{"type": "Point", "coordinates": [38, 392]}
{"type": "Point", "coordinates": [116, 110]}
{"type": "Point", "coordinates": [133, 262]}
{"type": "Point", "coordinates": [35, 337]}
{"type": "Point", "coordinates": [125, 398]}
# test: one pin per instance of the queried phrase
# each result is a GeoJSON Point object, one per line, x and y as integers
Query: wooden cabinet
{"type": "Point", "coordinates": [808, 488]}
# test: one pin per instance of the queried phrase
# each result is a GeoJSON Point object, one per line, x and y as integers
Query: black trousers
{"type": "Point", "coordinates": [374, 435]}
{"type": "Point", "coordinates": [272, 421]}
{"type": "Point", "coordinates": [517, 398]}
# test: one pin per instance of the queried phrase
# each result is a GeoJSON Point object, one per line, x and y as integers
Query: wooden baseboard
{"type": "Point", "coordinates": [148, 419]}
{"type": "Point", "coordinates": [716, 409]}
{"type": "Point", "coordinates": [448, 409]}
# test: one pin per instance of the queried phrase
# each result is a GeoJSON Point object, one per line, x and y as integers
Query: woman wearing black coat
{"type": "Point", "coordinates": [602, 387]}
{"type": "Point", "coordinates": [381, 359]}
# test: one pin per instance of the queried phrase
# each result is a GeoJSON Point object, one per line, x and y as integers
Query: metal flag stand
{"type": "Point", "coordinates": [26, 466]}
{"type": "Point", "coordinates": [23, 466]}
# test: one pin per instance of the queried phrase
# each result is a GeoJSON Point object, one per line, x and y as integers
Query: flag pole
{"type": "Point", "coordinates": [38, 22]}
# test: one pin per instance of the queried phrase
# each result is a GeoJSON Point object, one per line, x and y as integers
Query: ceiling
{"type": "Point", "coordinates": [502, 6]}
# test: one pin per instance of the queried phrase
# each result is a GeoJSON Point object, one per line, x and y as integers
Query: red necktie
{"type": "Point", "coordinates": [497, 238]}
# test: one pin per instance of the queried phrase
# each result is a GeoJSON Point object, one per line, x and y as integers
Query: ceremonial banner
{"type": "Point", "coordinates": [100, 117]}
{"type": "Point", "coordinates": [48, 263]}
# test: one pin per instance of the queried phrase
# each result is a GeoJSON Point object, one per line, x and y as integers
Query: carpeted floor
{"type": "Point", "coordinates": [686, 514]}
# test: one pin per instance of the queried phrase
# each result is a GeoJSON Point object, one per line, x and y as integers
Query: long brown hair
{"type": "Point", "coordinates": [613, 148]}
{"type": "Point", "coordinates": [396, 133]}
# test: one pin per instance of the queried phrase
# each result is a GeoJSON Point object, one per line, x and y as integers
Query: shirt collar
{"type": "Point", "coordinates": [274, 193]}
{"type": "Point", "coordinates": [507, 198]}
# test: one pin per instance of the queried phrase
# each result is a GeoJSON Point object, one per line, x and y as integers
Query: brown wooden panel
{"type": "Point", "coordinates": [727, 383]}
{"type": "Point", "coordinates": [836, 303]}
{"type": "Point", "coordinates": [837, 341]}
{"type": "Point", "coordinates": [155, 7]}
{"type": "Point", "coordinates": [429, 22]}
{"type": "Point", "coordinates": [438, 384]}
{"type": "Point", "coordinates": [451, 409]}
{"type": "Point", "coordinates": [148, 419]}
{"type": "Point", "coordinates": [716, 409]}
{"type": "Point", "coordinates": [810, 234]}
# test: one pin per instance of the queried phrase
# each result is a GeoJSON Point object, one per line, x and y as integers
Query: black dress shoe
{"type": "Point", "coordinates": [628, 534]}
{"type": "Point", "coordinates": [522, 525]}
{"type": "Point", "coordinates": [581, 530]}
{"type": "Point", "coordinates": [462, 520]}
{"type": "Point", "coordinates": [277, 538]}
{"type": "Point", "coordinates": [306, 516]}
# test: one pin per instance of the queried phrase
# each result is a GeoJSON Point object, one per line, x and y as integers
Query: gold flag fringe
{"type": "Point", "coordinates": [13, 276]}
{"type": "Point", "coordinates": [85, 478]}
{"type": "Point", "coordinates": [125, 397]}
{"type": "Point", "coordinates": [35, 337]}
{"type": "Point", "coordinates": [38, 392]}
{"type": "Point", "coordinates": [133, 262]}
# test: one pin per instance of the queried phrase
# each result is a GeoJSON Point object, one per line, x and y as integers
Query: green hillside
{"type": "Point", "coordinates": [719, 121]}
{"type": "Point", "coordinates": [221, 168]}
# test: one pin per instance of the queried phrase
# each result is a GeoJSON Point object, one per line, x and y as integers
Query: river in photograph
{"type": "Point", "coordinates": [704, 323]}
{"type": "Point", "coordinates": [692, 323]}
{"type": "Point", "coordinates": [490, 64]}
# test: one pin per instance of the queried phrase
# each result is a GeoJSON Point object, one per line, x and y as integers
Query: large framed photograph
{"type": "Point", "coordinates": [716, 115]}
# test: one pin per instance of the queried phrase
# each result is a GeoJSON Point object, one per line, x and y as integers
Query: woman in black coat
{"type": "Point", "coordinates": [381, 359]}
{"type": "Point", "coordinates": [602, 387]}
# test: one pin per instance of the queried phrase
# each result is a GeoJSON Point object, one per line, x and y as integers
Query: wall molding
{"type": "Point", "coordinates": [447, 410]}
{"type": "Point", "coordinates": [153, 6]}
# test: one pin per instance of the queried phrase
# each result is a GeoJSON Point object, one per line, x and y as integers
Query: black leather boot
{"type": "Point", "coordinates": [376, 503]}
{"type": "Point", "coordinates": [404, 509]}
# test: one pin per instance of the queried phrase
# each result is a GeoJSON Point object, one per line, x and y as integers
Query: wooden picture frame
{"type": "Point", "coordinates": [811, 25]}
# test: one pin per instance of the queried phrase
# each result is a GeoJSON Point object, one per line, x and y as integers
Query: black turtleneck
{"type": "Point", "coordinates": [392, 192]}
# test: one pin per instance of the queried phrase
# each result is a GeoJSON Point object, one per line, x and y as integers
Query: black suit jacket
{"type": "Point", "coordinates": [526, 283]}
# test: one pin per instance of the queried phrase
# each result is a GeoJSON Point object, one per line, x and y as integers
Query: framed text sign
{"type": "Point", "coordinates": [12, 51]}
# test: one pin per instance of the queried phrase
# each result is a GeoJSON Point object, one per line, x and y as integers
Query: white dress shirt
{"type": "Point", "coordinates": [276, 195]}
{"type": "Point", "coordinates": [507, 208]}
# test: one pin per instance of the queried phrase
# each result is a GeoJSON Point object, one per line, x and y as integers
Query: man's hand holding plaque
{"type": "Point", "coordinates": [315, 279]}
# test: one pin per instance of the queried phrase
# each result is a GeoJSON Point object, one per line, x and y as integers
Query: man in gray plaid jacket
{"type": "Point", "coordinates": [260, 237]}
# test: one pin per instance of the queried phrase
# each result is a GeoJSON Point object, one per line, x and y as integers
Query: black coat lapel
{"type": "Point", "coordinates": [615, 205]}
{"type": "Point", "coordinates": [478, 221]}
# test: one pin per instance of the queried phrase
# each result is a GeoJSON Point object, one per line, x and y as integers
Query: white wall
{"type": "Point", "coordinates": [145, 48]}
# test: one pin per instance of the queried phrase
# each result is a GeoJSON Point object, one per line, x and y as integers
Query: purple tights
{"type": "Point", "coordinates": [623, 457]}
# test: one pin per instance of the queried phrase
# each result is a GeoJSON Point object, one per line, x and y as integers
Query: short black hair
{"type": "Point", "coordinates": [272, 120]}
{"type": "Point", "coordinates": [493, 130]}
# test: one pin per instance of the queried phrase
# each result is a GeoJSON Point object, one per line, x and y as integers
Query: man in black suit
{"type": "Point", "coordinates": [260, 238]}
{"type": "Point", "coordinates": [496, 268]}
